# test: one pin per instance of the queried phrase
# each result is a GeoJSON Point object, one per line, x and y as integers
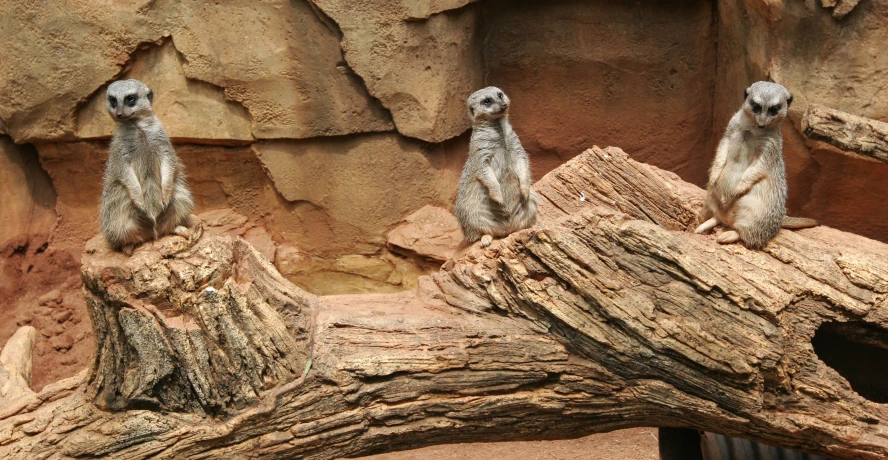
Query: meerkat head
{"type": "Point", "coordinates": [128, 99]}
{"type": "Point", "coordinates": [487, 104]}
{"type": "Point", "coordinates": [766, 103]}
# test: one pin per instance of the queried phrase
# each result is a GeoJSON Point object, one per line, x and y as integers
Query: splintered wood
{"type": "Point", "coordinates": [607, 314]}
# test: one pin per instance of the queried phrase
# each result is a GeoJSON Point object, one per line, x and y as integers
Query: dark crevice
{"type": "Point", "coordinates": [858, 351]}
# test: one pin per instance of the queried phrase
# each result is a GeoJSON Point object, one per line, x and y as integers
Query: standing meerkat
{"type": "Point", "coordinates": [495, 197]}
{"type": "Point", "coordinates": [747, 182]}
{"type": "Point", "coordinates": [145, 195]}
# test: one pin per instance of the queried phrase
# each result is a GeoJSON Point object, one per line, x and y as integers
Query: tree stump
{"type": "Point", "coordinates": [608, 314]}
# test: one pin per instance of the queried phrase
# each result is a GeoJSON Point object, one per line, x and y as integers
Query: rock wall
{"type": "Point", "coordinates": [322, 124]}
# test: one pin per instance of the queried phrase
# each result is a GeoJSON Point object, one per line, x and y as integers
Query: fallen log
{"type": "Point", "coordinates": [608, 314]}
{"type": "Point", "coordinates": [851, 133]}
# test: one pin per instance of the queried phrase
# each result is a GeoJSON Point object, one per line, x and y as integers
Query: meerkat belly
{"type": "Point", "coordinates": [148, 172]}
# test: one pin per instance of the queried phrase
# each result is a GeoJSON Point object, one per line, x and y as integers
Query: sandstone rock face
{"type": "Point", "coordinates": [598, 73]}
{"type": "Point", "coordinates": [28, 197]}
{"type": "Point", "coordinates": [421, 71]}
{"type": "Point", "coordinates": [359, 182]}
{"type": "Point", "coordinates": [293, 85]}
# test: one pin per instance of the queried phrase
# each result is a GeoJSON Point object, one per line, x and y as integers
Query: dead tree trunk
{"type": "Point", "coordinates": [608, 314]}
{"type": "Point", "coordinates": [863, 136]}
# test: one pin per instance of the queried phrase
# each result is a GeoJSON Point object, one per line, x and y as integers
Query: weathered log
{"type": "Point", "coordinates": [851, 133]}
{"type": "Point", "coordinates": [608, 314]}
{"type": "Point", "coordinates": [15, 364]}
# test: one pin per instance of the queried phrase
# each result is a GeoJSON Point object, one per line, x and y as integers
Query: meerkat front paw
{"type": "Point", "coordinates": [525, 191]}
{"type": "Point", "coordinates": [706, 227]}
{"type": "Point", "coordinates": [486, 240]}
{"type": "Point", "coordinates": [728, 237]}
{"type": "Point", "coordinates": [128, 249]}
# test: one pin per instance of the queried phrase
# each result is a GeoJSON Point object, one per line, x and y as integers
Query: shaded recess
{"type": "Point", "coordinates": [637, 75]}
{"type": "Point", "coordinates": [859, 352]}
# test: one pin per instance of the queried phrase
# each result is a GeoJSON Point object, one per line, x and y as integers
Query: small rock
{"type": "Point", "coordinates": [61, 342]}
{"type": "Point", "coordinates": [53, 297]}
{"type": "Point", "coordinates": [431, 233]}
{"type": "Point", "coordinates": [62, 315]}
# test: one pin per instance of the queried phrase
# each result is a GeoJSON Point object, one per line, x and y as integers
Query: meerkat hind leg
{"type": "Point", "coordinates": [707, 226]}
{"type": "Point", "coordinates": [182, 231]}
{"type": "Point", "coordinates": [728, 237]}
{"type": "Point", "coordinates": [486, 240]}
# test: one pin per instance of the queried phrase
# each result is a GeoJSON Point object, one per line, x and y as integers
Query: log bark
{"type": "Point", "coordinates": [851, 133]}
{"type": "Point", "coordinates": [608, 314]}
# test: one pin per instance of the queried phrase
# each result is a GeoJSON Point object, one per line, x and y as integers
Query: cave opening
{"type": "Point", "coordinates": [858, 351]}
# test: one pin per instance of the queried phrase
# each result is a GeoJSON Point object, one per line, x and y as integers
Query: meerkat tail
{"type": "Point", "coordinates": [795, 223]}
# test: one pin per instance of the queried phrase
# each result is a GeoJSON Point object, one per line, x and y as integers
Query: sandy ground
{"type": "Point", "coordinates": [631, 444]}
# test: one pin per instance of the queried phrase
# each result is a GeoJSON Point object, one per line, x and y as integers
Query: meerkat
{"type": "Point", "coordinates": [747, 181]}
{"type": "Point", "coordinates": [145, 195]}
{"type": "Point", "coordinates": [494, 197]}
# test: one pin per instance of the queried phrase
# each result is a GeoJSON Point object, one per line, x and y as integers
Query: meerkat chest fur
{"type": "Point", "coordinates": [493, 137]}
{"type": "Point", "coordinates": [746, 147]}
{"type": "Point", "coordinates": [143, 145]}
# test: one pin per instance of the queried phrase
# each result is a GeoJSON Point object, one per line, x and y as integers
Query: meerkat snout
{"type": "Point", "coordinates": [487, 104]}
{"type": "Point", "coordinates": [766, 103]}
{"type": "Point", "coordinates": [127, 99]}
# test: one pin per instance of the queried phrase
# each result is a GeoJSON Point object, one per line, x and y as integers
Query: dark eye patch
{"type": "Point", "coordinates": [487, 101]}
{"type": "Point", "coordinates": [112, 101]}
{"type": "Point", "coordinates": [773, 110]}
{"type": "Point", "coordinates": [130, 100]}
{"type": "Point", "coordinates": [499, 95]}
{"type": "Point", "coordinates": [756, 108]}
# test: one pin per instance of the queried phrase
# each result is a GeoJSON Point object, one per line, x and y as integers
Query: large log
{"type": "Point", "coordinates": [851, 133]}
{"type": "Point", "coordinates": [608, 314]}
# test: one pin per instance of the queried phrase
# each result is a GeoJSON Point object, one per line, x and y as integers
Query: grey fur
{"type": "Point", "coordinates": [145, 195]}
{"type": "Point", "coordinates": [747, 181]}
{"type": "Point", "coordinates": [495, 197]}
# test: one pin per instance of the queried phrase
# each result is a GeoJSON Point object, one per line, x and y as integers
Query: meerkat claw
{"type": "Point", "coordinates": [182, 231]}
{"type": "Point", "coordinates": [486, 240]}
{"type": "Point", "coordinates": [728, 237]}
{"type": "Point", "coordinates": [128, 249]}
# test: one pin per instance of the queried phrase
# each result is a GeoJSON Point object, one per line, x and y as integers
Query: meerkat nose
{"type": "Point", "coordinates": [119, 115]}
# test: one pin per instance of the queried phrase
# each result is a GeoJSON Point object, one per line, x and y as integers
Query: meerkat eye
{"type": "Point", "coordinates": [130, 100]}
{"type": "Point", "coordinates": [775, 109]}
{"type": "Point", "coordinates": [112, 101]}
{"type": "Point", "coordinates": [756, 108]}
{"type": "Point", "coordinates": [499, 95]}
{"type": "Point", "coordinates": [487, 101]}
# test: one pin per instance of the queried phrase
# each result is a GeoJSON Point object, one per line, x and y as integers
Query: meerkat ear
{"type": "Point", "coordinates": [472, 111]}
{"type": "Point", "coordinates": [789, 101]}
{"type": "Point", "coordinates": [746, 94]}
{"type": "Point", "coordinates": [150, 96]}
